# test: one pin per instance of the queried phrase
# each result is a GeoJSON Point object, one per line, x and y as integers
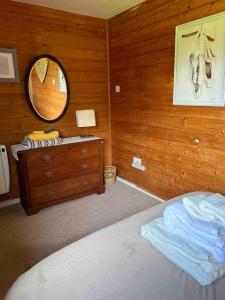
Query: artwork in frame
{"type": "Point", "coordinates": [199, 69]}
{"type": "Point", "coordinates": [9, 71]}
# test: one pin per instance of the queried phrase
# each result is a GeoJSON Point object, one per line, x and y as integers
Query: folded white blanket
{"type": "Point", "coordinates": [187, 256]}
{"type": "Point", "coordinates": [208, 208]}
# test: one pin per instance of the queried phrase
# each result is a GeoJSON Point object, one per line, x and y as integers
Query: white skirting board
{"type": "Point", "coordinates": [138, 188]}
{"type": "Point", "coordinates": [9, 202]}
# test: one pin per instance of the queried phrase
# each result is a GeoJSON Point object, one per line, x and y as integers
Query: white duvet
{"type": "Point", "coordinates": [115, 263]}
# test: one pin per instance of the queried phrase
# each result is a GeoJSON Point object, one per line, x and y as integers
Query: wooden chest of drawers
{"type": "Point", "coordinates": [54, 174]}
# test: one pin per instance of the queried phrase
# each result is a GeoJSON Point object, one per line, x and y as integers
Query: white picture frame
{"type": "Point", "coordinates": [9, 71]}
{"type": "Point", "coordinates": [199, 66]}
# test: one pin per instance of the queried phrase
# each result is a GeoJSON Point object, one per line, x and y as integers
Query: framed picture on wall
{"type": "Point", "coordinates": [9, 71]}
{"type": "Point", "coordinates": [199, 69]}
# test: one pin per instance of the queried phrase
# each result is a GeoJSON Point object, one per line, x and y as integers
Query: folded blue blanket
{"type": "Point", "coordinates": [209, 227]}
{"type": "Point", "coordinates": [210, 208]}
{"type": "Point", "coordinates": [206, 226]}
{"type": "Point", "coordinates": [214, 207]}
{"type": "Point", "coordinates": [189, 257]}
{"type": "Point", "coordinates": [191, 251]}
{"type": "Point", "coordinates": [30, 144]}
{"type": "Point", "coordinates": [177, 222]}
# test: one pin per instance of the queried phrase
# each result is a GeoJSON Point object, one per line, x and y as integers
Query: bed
{"type": "Point", "coordinates": [114, 263]}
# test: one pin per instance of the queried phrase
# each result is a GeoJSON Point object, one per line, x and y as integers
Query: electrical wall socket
{"type": "Point", "coordinates": [137, 164]}
{"type": "Point", "coordinates": [139, 167]}
{"type": "Point", "coordinates": [136, 160]}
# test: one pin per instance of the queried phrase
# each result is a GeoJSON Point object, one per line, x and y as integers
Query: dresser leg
{"type": "Point", "coordinates": [28, 210]}
{"type": "Point", "coordinates": [101, 191]}
{"type": "Point", "coordinates": [31, 211]}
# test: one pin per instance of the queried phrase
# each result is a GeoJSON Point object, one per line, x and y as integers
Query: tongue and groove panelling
{"type": "Point", "coordinates": [80, 44]}
{"type": "Point", "coordinates": [144, 121]}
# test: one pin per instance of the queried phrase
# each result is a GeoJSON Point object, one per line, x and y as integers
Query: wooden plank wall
{"type": "Point", "coordinates": [80, 44]}
{"type": "Point", "coordinates": [144, 121]}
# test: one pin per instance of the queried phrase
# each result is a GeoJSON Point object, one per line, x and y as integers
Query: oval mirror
{"type": "Point", "coordinates": [47, 88]}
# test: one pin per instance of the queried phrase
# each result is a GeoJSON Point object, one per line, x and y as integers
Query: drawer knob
{"type": "Point", "coordinates": [47, 157]}
{"type": "Point", "coordinates": [84, 166]}
{"type": "Point", "coordinates": [83, 150]}
{"type": "Point", "coordinates": [50, 193]}
{"type": "Point", "coordinates": [84, 183]}
{"type": "Point", "coordinates": [48, 174]}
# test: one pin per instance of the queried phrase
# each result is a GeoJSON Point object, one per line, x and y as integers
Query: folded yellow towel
{"type": "Point", "coordinates": [41, 135]}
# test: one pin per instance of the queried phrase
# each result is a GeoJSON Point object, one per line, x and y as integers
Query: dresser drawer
{"type": "Point", "coordinates": [64, 188]}
{"type": "Point", "coordinates": [84, 150]}
{"type": "Point", "coordinates": [49, 174]}
{"type": "Point", "coordinates": [53, 173]}
{"type": "Point", "coordinates": [83, 166]}
{"type": "Point", "coordinates": [44, 157]}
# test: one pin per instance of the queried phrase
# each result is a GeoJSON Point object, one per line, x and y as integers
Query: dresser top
{"type": "Point", "coordinates": [70, 140]}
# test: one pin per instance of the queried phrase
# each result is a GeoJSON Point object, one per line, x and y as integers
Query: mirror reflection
{"type": "Point", "coordinates": [47, 87]}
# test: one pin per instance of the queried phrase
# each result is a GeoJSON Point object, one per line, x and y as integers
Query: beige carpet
{"type": "Point", "coordinates": [24, 241]}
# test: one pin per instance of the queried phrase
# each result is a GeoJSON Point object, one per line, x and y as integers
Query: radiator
{"type": "Point", "coordinates": [4, 171]}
